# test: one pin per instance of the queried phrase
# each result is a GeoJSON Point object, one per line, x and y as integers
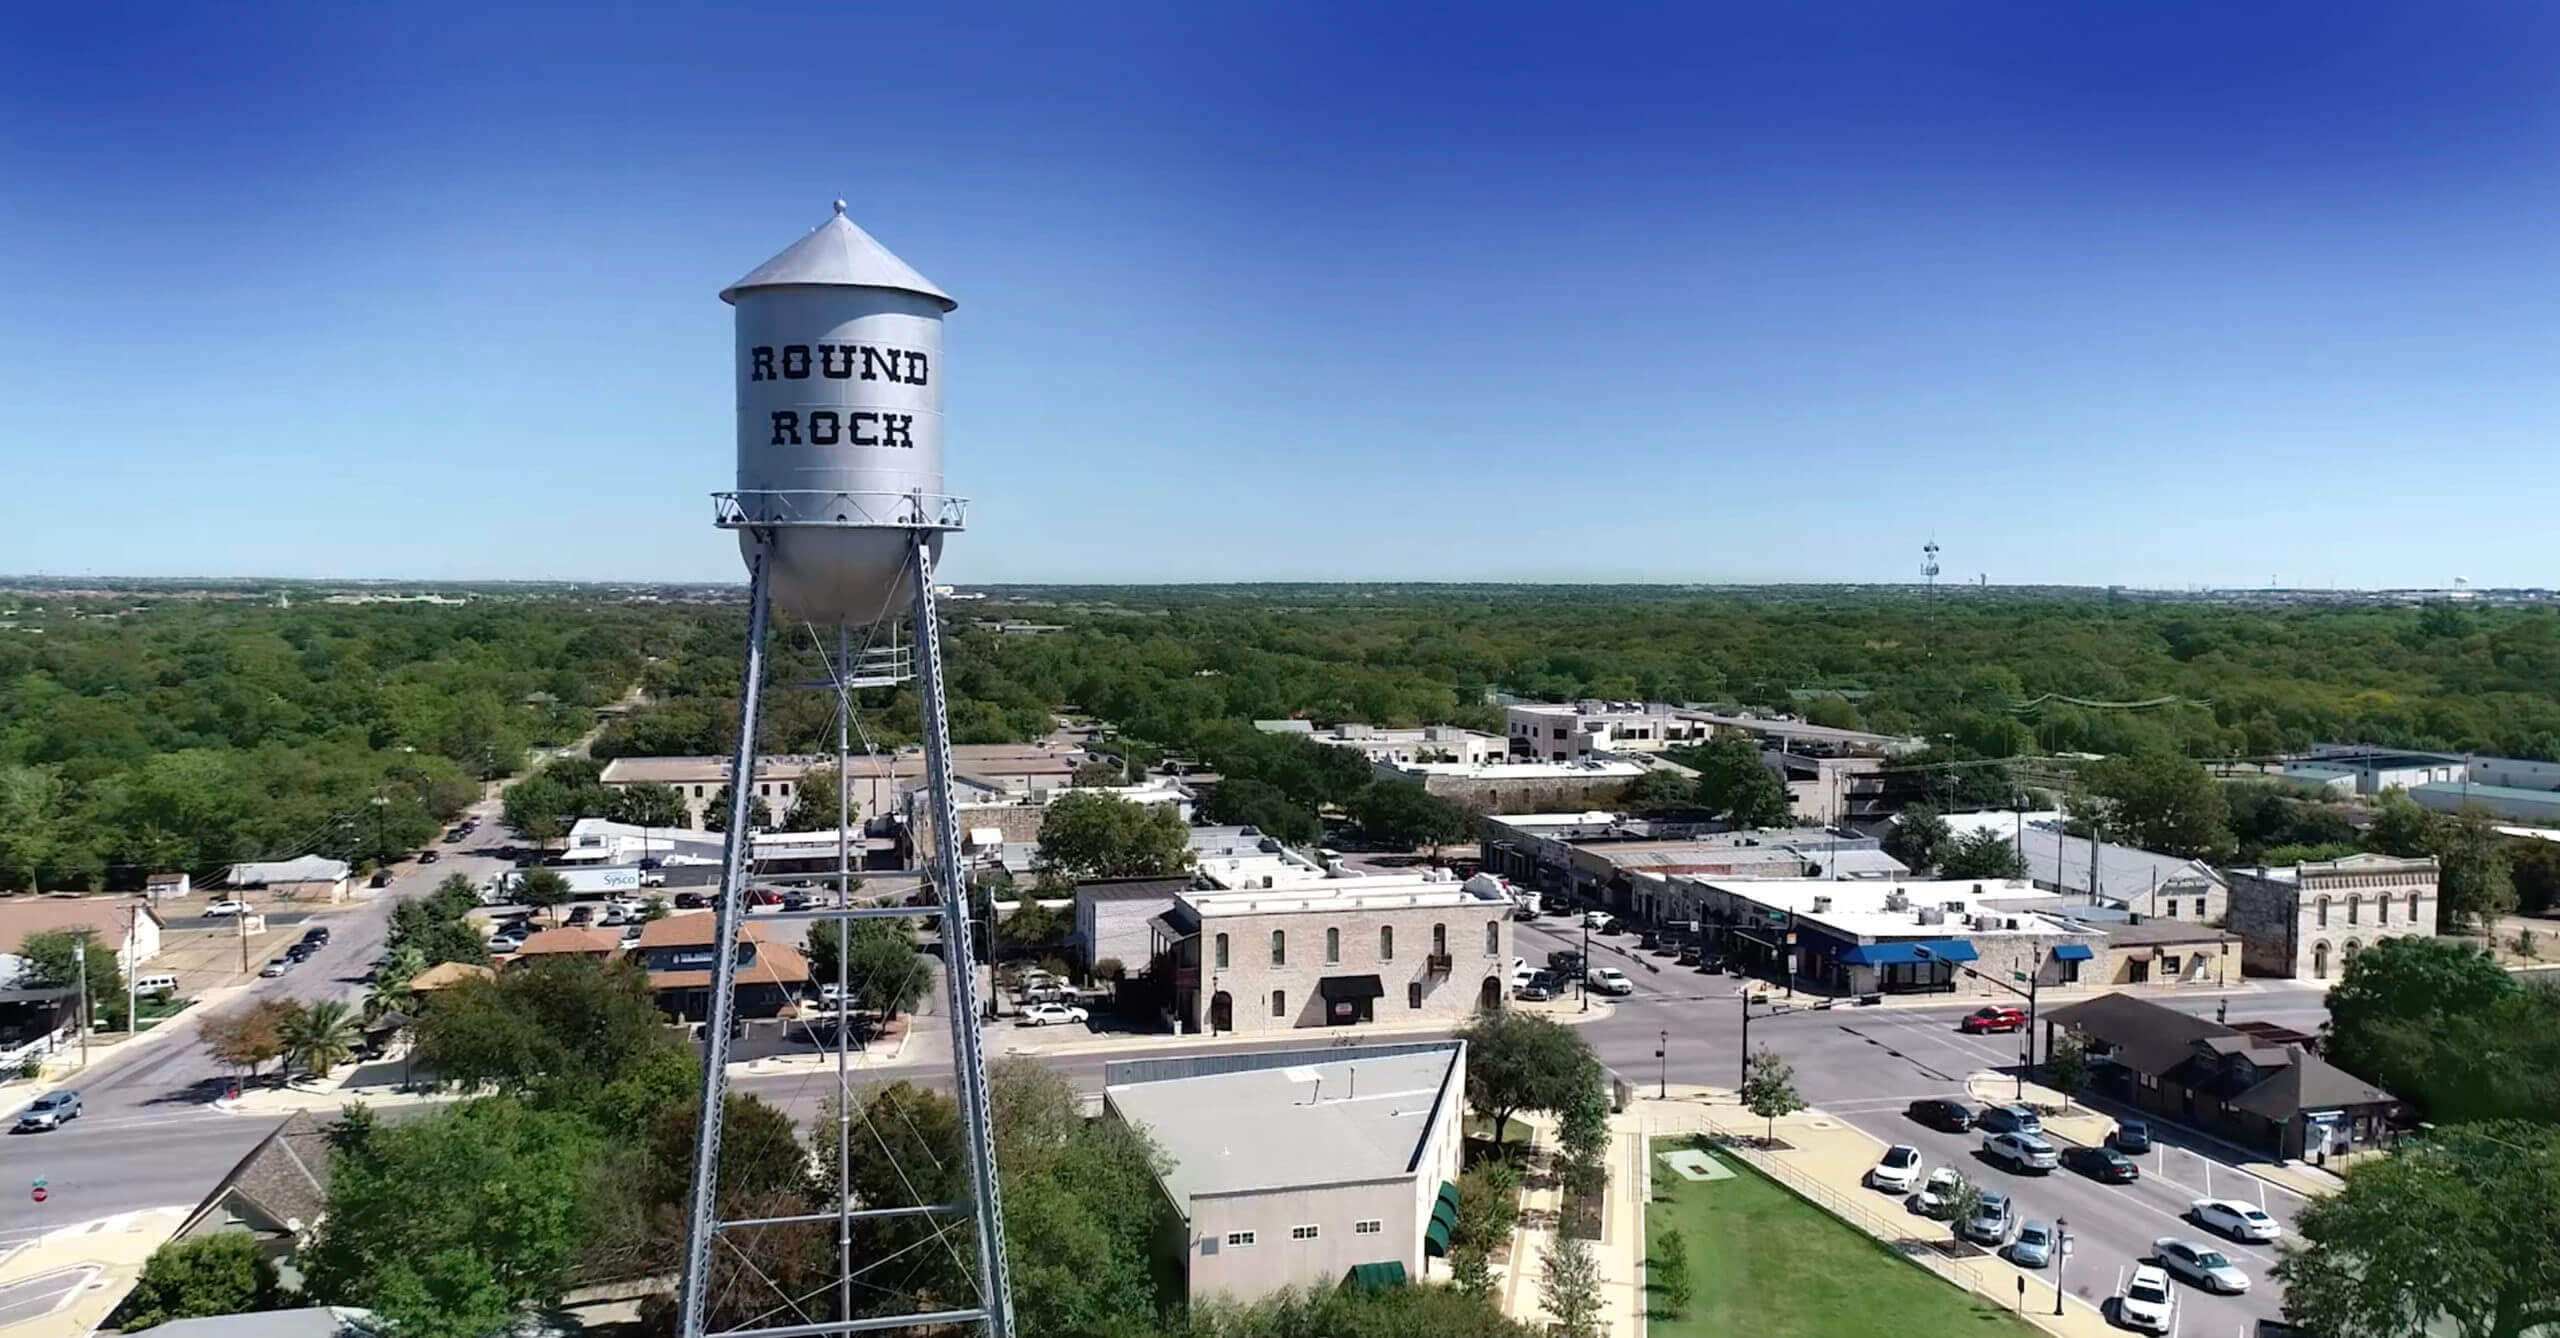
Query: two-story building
{"type": "Point", "coordinates": [2255, 1085]}
{"type": "Point", "coordinates": [1335, 952]}
{"type": "Point", "coordinates": [677, 953]}
{"type": "Point", "coordinates": [2306, 920]}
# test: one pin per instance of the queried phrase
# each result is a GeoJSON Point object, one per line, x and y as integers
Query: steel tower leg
{"type": "Point", "coordinates": [702, 1219]}
{"type": "Point", "coordinates": [844, 990]}
{"type": "Point", "coordinates": [959, 963]}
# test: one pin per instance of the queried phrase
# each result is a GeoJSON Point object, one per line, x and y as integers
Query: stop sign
{"type": "Point", "coordinates": [38, 1193]}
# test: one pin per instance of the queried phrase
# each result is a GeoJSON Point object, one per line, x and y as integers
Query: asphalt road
{"type": "Point", "coordinates": [149, 1136]}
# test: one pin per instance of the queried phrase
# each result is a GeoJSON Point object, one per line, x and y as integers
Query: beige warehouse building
{"type": "Point", "coordinates": [1300, 1167]}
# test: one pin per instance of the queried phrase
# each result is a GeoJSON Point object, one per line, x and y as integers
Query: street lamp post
{"type": "Point", "coordinates": [1586, 961]}
{"type": "Point", "coordinates": [2061, 1257]}
{"type": "Point", "coordinates": [1662, 1054]}
{"type": "Point", "coordinates": [80, 968]}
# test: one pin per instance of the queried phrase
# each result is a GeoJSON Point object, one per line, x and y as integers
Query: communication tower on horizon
{"type": "Point", "coordinates": [840, 514]}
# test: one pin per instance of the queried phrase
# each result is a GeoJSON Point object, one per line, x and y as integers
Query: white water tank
{"type": "Point", "coordinates": [839, 371]}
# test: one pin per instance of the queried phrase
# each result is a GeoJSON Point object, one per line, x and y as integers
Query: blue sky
{"type": "Point", "coordinates": [2088, 292]}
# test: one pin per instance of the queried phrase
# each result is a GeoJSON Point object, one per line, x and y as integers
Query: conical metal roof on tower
{"type": "Point", "coordinates": [837, 254]}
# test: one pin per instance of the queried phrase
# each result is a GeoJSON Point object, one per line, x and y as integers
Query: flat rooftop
{"type": "Point", "coordinates": [1341, 894]}
{"type": "Point", "coordinates": [1881, 910]}
{"type": "Point", "coordinates": [1586, 770]}
{"type": "Point", "coordinates": [1290, 1125]}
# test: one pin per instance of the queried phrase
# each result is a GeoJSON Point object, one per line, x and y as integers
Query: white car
{"type": "Point", "coordinates": [1936, 1196]}
{"type": "Point", "coordinates": [1609, 980]}
{"type": "Point", "coordinates": [2234, 1219]}
{"type": "Point", "coordinates": [1899, 1171]}
{"type": "Point", "coordinates": [1598, 922]}
{"type": "Point", "coordinates": [2145, 1303]}
{"type": "Point", "coordinates": [2022, 1152]}
{"type": "Point", "coordinates": [1042, 1015]}
{"type": "Point", "coordinates": [228, 908]}
{"type": "Point", "coordinates": [2200, 1264]}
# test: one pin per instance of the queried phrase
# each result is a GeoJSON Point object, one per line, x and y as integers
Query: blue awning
{"type": "Point", "coordinates": [2072, 952]}
{"type": "Point", "coordinates": [1908, 951]}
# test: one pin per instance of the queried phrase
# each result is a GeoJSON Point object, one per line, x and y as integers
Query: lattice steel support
{"type": "Point", "coordinates": [969, 1061]}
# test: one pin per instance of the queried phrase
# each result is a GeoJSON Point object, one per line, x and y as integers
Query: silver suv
{"type": "Point", "coordinates": [2022, 1152]}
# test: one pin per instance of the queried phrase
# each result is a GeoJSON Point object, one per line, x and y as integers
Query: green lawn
{"type": "Point", "coordinates": [1766, 1264]}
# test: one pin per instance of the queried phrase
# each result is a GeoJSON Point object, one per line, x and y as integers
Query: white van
{"type": "Point", "coordinates": [160, 986]}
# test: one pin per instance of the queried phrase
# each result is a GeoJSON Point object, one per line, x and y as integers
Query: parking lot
{"type": "Point", "coordinates": [1867, 1064]}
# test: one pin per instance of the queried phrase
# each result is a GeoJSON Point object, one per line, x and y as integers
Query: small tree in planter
{"type": "Point", "coordinates": [2067, 1065]}
{"type": "Point", "coordinates": [1769, 1090]}
{"type": "Point", "coordinates": [1670, 1269]}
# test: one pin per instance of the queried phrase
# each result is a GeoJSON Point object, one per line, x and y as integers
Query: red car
{"type": "Point", "coordinates": [1993, 1017]}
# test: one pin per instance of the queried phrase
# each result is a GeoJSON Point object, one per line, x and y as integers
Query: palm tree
{"type": "Point", "coordinates": [388, 990]}
{"type": "Point", "coordinates": [320, 1038]}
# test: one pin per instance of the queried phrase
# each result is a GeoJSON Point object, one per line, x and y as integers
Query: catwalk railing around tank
{"type": "Point", "coordinates": [815, 509]}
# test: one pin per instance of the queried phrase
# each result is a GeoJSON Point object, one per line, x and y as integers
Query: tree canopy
{"type": "Point", "coordinates": [1520, 1061]}
{"type": "Point", "coordinates": [2461, 1226]}
{"type": "Point", "coordinates": [1093, 835]}
{"type": "Point", "coordinates": [1402, 814]}
{"type": "Point", "coordinates": [225, 1273]}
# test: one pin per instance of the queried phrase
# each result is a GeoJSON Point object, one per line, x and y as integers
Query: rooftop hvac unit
{"type": "Point", "coordinates": [1821, 904]}
{"type": "Point", "coordinates": [1932, 915]}
{"type": "Point", "coordinates": [1955, 906]}
{"type": "Point", "coordinates": [1896, 902]}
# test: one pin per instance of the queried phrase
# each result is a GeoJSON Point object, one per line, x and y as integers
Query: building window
{"type": "Point", "coordinates": [1222, 952]}
{"type": "Point", "coordinates": [2355, 908]}
{"type": "Point", "coordinates": [2382, 909]}
{"type": "Point", "coordinates": [1493, 938]}
{"type": "Point", "coordinates": [2413, 908]}
{"type": "Point", "coordinates": [697, 792]}
{"type": "Point", "coordinates": [1386, 943]}
{"type": "Point", "coordinates": [1368, 1227]}
{"type": "Point", "coordinates": [1279, 947]}
{"type": "Point", "coordinates": [2321, 909]}
{"type": "Point", "coordinates": [1413, 995]}
{"type": "Point", "coordinates": [1332, 946]}
{"type": "Point", "coordinates": [1302, 1233]}
{"type": "Point", "coordinates": [2169, 967]}
{"type": "Point", "coordinates": [1439, 940]}
{"type": "Point", "coordinates": [1239, 1239]}
{"type": "Point", "coordinates": [1279, 1004]}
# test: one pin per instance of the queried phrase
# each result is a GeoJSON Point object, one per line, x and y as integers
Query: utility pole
{"type": "Point", "coordinates": [132, 997]}
{"type": "Point", "coordinates": [1586, 961]}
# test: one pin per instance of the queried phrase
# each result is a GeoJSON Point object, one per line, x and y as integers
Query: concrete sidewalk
{"type": "Point", "coordinates": [1825, 1161]}
{"type": "Point", "coordinates": [64, 1283]}
{"type": "Point", "coordinates": [1005, 1040]}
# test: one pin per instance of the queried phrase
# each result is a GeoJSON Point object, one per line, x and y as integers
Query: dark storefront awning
{"type": "Point", "coordinates": [1375, 1277]}
{"type": "Point", "coordinates": [2072, 952]}
{"type": "Point", "coordinates": [1444, 1220]}
{"type": "Point", "coordinates": [1351, 989]}
{"type": "Point", "coordinates": [1905, 952]}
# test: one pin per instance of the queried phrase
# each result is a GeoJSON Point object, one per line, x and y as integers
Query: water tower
{"type": "Point", "coordinates": [840, 516]}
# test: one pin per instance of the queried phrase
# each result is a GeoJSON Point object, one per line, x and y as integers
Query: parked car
{"type": "Point", "coordinates": [429, 856]}
{"type": "Point", "coordinates": [1688, 956]}
{"type": "Point", "coordinates": [763, 899]}
{"type": "Point", "coordinates": [2008, 1120]}
{"type": "Point", "coordinates": [1532, 992]}
{"type": "Point", "coordinates": [1600, 922]}
{"type": "Point", "coordinates": [631, 934]}
{"type": "Point", "coordinates": [276, 968]}
{"type": "Point", "coordinates": [1565, 960]}
{"type": "Point", "coordinates": [691, 901]}
{"type": "Point", "coordinates": [298, 953]}
{"type": "Point", "coordinates": [795, 901]}
{"type": "Point", "coordinates": [2034, 1246]}
{"type": "Point", "coordinates": [1937, 1112]}
{"type": "Point", "coordinates": [1936, 1196]}
{"type": "Point", "coordinates": [1994, 1217]}
{"type": "Point", "coordinates": [50, 1111]}
{"type": "Point", "coordinates": [1993, 1017]}
{"type": "Point", "coordinates": [2200, 1264]}
{"type": "Point", "coordinates": [316, 934]}
{"type": "Point", "coordinates": [1710, 961]}
{"type": "Point", "coordinates": [381, 878]}
{"type": "Point", "coordinates": [1524, 911]}
{"type": "Point", "coordinates": [2130, 1136]}
{"type": "Point", "coordinates": [2102, 1164]}
{"type": "Point", "coordinates": [1609, 980]}
{"type": "Point", "coordinates": [221, 909]}
{"type": "Point", "coordinates": [1899, 1171]}
{"type": "Point", "coordinates": [1048, 1014]}
{"type": "Point", "coordinates": [581, 917]}
{"type": "Point", "coordinates": [2022, 1152]}
{"type": "Point", "coordinates": [2145, 1304]}
{"type": "Point", "coordinates": [2232, 1218]}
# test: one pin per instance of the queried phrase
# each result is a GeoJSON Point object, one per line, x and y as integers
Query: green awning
{"type": "Point", "coordinates": [1375, 1277]}
{"type": "Point", "coordinates": [1448, 1198]}
{"type": "Point", "coordinates": [1435, 1238]}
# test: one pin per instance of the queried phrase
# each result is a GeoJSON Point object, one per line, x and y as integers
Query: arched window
{"type": "Point", "coordinates": [1439, 940]}
{"type": "Point", "coordinates": [1332, 946]}
{"type": "Point", "coordinates": [2382, 909]}
{"type": "Point", "coordinates": [1222, 952]}
{"type": "Point", "coordinates": [1386, 943]}
{"type": "Point", "coordinates": [2320, 960]}
{"type": "Point", "coordinates": [1279, 1004]}
{"type": "Point", "coordinates": [2355, 908]}
{"type": "Point", "coordinates": [2321, 909]}
{"type": "Point", "coordinates": [1493, 938]}
{"type": "Point", "coordinates": [2349, 955]}
{"type": "Point", "coordinates": [1279, 949]}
